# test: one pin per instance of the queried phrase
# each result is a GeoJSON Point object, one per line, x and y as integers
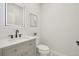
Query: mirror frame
{"type": "Point", "coordinates": [6, 24]}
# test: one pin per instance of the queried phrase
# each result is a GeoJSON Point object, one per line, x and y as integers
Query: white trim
{"type": "Point", "coordinates": [6, 24]}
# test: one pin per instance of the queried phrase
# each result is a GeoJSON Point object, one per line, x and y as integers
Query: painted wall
{"type": "Point", "coordinates": [27, 30]}
{"type": "Point", "coordinates": [60, 27]}
{"type": "Point", "coordinates": [35, 9]}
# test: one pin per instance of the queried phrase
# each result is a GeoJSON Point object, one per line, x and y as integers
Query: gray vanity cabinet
{"type": "Point", "coordinates": [27, 48]}
{"type": "Point", "coordinates": [10, 50]}
{"type": "Point", "coordinates": [0, 52]}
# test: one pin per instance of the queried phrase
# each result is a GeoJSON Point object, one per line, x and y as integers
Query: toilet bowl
{"type": "Point", "coordinates": [42, 50]}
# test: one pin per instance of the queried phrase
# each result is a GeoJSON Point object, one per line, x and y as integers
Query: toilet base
{"type": "Point", "coordinates": [42, 50]}
{"type": "Point", "coordinates": [39, 54]}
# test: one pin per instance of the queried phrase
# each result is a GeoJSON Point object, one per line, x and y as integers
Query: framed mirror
{"type": "Point", "coordinates": [14, 14]}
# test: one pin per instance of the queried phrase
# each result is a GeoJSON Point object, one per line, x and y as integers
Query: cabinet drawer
{"type": "Point", "coordinates": [0, 52]}
{"type": "Point", "coordinates": [32, 43]}
{"type": "Point", "coordinates": [10, 51]}
{"type": "Point", "coordinates": [27, 48]}
{"type": "Point", "coordinates": [22, 48]}
{"type": "Point", "coordinates": [32, 48]}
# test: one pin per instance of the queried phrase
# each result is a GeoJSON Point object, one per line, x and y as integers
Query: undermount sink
{"type": "Point", "coordinates": [26, 37]}
{"type": "Point", "coordinates": [9, 41]}
{"type": "Point", "coordinates": [20, 39]}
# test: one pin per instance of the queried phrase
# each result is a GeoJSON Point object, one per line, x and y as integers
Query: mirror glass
{"type": "Point", "coordinates": [14, 14]}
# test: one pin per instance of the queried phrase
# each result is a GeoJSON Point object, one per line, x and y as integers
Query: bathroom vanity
{"type": "Point", "coordinates": [13, 16]}
{"type": "Point", "coordinates": [18, 47]}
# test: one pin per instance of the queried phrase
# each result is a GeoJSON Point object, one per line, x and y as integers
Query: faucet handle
{"type": "Point", "coordinates": [35, 34]}
{"type": "Point", "coordinates": [11, 36]}
{"type": "Point", "coordinates": [20, 35]}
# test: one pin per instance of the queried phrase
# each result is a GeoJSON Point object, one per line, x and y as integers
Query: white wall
{"type": "Point", "coordinates": [32, 8]}
{"type": "Point", "coordinates": [60, 27]}
{"type": "Point", "coordinates": [27, 30]}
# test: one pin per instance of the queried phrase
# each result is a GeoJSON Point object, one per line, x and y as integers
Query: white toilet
{"type": "Point", "coordinates": [42, 50]}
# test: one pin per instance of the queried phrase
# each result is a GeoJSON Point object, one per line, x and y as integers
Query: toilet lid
{"type": "Point", "coordinates": [42, 47]}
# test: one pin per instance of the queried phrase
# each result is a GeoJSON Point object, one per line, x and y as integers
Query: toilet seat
{"type": "Point", "coordinates": [41, 50]}
{"type": "Point", "coordinates": [42, 47]}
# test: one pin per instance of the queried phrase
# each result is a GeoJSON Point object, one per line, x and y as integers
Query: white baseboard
{"type": "Point", "coordinates": [56, 53]}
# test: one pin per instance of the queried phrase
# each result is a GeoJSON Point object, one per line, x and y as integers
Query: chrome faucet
{"type": "Point", "coordinates": [16, 34]}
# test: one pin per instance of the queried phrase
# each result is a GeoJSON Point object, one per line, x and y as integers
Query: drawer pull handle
{"type": "Point", "coordinates": [15, 50]}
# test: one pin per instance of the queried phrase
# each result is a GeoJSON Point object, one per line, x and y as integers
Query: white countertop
{"type": "Point", "coordinates": [9, 42]}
